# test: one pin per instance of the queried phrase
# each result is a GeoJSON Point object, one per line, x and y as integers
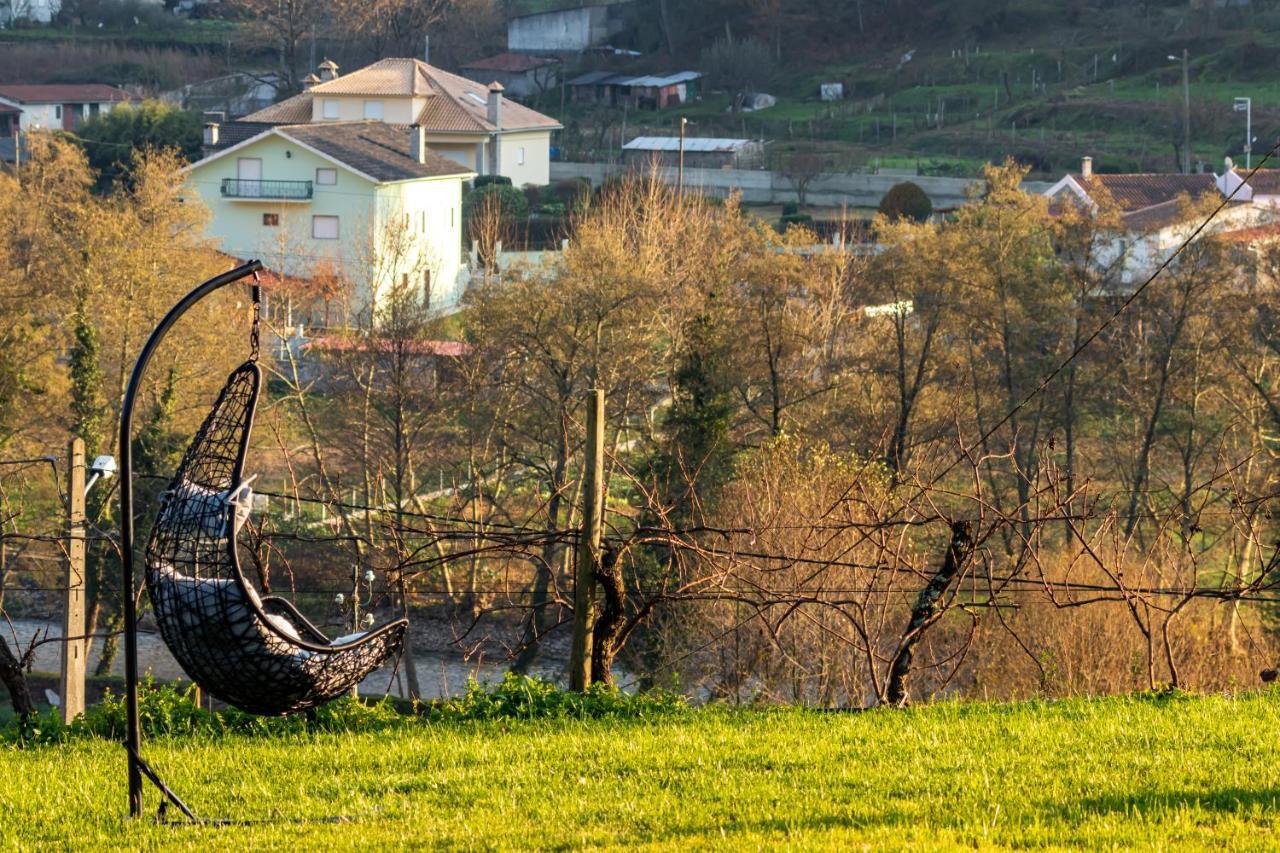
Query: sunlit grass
{"type": "Point", "coordinates": [1137, 772]}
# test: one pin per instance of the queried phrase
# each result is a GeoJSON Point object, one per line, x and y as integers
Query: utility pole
{"type": "Point", "coordinates": [1245, 105]}
{"type": "Point", "coordinates": [1186, 111]}
{"type": "Point", "coordinates": [73, 618]}
{"type": "Point", "coordinates": [1186, 116]}
{"type": "Point", "coordinates": [680, 179]}
{"type": "Point", "coordinates": [588, 557]}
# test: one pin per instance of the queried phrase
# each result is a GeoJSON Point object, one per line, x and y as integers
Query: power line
{"type": "Point", "coordinates": [1083, 345]}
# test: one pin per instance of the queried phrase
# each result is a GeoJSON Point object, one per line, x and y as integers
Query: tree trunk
{"type": "Point", "coordinates": [927, 609]}
{"type": "Point", "coordinates": [537, 623]}
{"type": "Point", "coordinates": [15, 682]}
{"type": "Point", "coordinates": [609, 625]}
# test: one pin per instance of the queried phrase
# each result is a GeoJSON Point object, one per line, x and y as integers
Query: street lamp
{"type": "Point", "coordinates": [104, 467]}
{"type": "Point", "coordinates": [1186, 112]}
{"type": "Point", "coordinates": [1245, 105]}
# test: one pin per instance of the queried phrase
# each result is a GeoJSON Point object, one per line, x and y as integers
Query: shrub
{"type": "Point", "coordinates": [571, 191]}
{"type": "Point", "coordinates": [906, 200]}
{"type": "Point", "coordinates": [526, 697]}
{"type": "Point", "coordinates": [532, 195]}
{"type": "Point", "coordinates": [510, 200]}
{"type": "Point", "coordinates": [168, 711]}
{"type": "Point", "coordinates": [112, 137]}
{"type": "Point", "coordinates": [789, 219]}
{"type": "Point", "coordinates": [491, 180]}
{"type": "Point", "coordinates": [790, 209]}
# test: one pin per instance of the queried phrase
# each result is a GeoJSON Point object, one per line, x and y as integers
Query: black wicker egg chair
{"type": "Point", "coordinates": [258, 654]}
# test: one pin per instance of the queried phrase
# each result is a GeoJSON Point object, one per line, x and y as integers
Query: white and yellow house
{"type": "Point", "coordinates": [470, 123]}
{"type": "Point", "coordinates": [364, 200]}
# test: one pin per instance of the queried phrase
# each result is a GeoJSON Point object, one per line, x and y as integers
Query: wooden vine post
{"type": "Point", "coordinates": [588, 556]}
{"type": "Point", "coordinates": [73, 620]}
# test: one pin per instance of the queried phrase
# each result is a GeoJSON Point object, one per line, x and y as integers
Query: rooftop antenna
{"type": "Point", "coordinates": [426, 49]}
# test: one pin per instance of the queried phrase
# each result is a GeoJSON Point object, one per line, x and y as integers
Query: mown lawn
{"type": "Point", "coordinates": [1137, 772]}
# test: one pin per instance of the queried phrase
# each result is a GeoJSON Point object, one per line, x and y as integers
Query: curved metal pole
{"type": "Point", "coordinates": [133, 733]}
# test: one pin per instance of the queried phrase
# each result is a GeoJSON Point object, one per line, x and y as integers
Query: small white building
{"type": "Point", "coordinates": [58, 106]}
{"type": "Point", "coordinates": [363, 202]}
{"type": "Point", "coordinates": [699, 152]}
{"type": "Point", "coordinates": [37, 11]}
{"type": "Point", "coordinates": [563, 27]}
{"type": "Point", "coordinates": [521, 75]}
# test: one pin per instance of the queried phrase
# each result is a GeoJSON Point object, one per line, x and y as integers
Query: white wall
{"type": "Point", "coordinates": [429, 213]}
{"type": "Point", "coordinates": [570, 29]}
{"type": "Point", "coordinates": [536, 168]}
{"type": "Point", "coordinates": [46, 116]}
{"type": "Point", "coordinates": [364, 211]}
{"type": "Point", "coordinates": [395, 110]}
{"type": "Point", "coordinates": [40, 11]}
{"type": "Point", "coordinates": [760, 186]}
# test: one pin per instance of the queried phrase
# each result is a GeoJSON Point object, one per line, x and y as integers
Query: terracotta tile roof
{"type": "Point", "coordinates": [379, 150]}
{"type": "Point", "coordinates": [293, 110]}
{"type": "Point", "coordinates": [510, 62]}
{"type": "Point", "coordinates": [233, 132]}
{"type": "Point", "coordinates": [1264, 181]}
{"type": "Point", "coordinates": [454, 104]}
{"type": "Point", "coordinates": [1257, 234]}
{"type": "Point", "coordinates": [450, 349]}
{"type": "Point", "coordinates": [1135, 192]}
{"type": "Point", "coordinates": [384, 77]}
{"type": "Point", "coordinates": [63, 93]}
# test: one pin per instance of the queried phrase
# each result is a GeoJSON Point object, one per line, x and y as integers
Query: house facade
{"type": "Point", "coordinates": [471, 123]}
{"type": "Point", "coordinates": [1152, 215]}
{"type": "Point", "coordinates": [60, 106]}
{"type": "Point", "coordinates": [362, 202]}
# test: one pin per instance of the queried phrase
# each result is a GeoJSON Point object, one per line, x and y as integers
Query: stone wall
{"type": "Point", "coordinates": [764, 187]}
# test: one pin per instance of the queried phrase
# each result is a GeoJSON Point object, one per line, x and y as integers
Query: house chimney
{"type": "Point", "coordinates": [211, 134]}
{"type": "Point", "coordinates": [495, 104]}
{"type": "Point", "coordinates": [1086, 167]}
{"type": "Point", "coordinates": [309, 81]}
{"type": "Point", "coordinates": [426, 49]}
{"type": "Point", "coordinates": [328, 70]}
{"type": "Point", "coordinates": [417, 143]}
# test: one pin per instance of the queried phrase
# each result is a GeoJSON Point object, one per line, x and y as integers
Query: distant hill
{"type": "Point", "coordinates": [953, 83]}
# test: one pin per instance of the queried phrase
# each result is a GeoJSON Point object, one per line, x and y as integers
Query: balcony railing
{"type": "Point", "coordinates": [271, 190]}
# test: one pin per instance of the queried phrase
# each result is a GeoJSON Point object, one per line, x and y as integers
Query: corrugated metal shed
{"type": "Point", "coordinates": [609, 78]}
{"type": "Point", "coordinates": [672, 143]}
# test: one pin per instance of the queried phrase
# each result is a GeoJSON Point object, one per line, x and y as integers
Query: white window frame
{"type": "Point", "coordinates": [373, 110]}
{"type": "Point", "coordinates": [317, 221]}
{"type": "Point", "coordinates": [329, 108]}
{"type": "Point", "coordinates": [57, 111]}
{"type": "Point", "coordinates": [272, 224]}
{"type": "Point", "coordinates": [322, 174]}
{"type": "Point", "coordinates": [520, 156]}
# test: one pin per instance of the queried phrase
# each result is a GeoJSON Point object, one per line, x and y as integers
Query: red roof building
{"type": "Point", "coordinates": [61, 106]}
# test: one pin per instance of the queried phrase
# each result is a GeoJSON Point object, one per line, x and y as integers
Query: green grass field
{"type": "Point", "coordinates": [1132, 772]}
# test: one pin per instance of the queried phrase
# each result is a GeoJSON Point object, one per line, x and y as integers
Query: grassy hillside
{"type": "Point", "coordinates": [1047, 87]}
{"type": "Point", "coordinates": [1129, 772]}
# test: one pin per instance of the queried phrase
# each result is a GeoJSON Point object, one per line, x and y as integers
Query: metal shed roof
{"type": "Point", "coordinates": [609, 78]}
{"type": "Point", "coordinates": [672, 143]}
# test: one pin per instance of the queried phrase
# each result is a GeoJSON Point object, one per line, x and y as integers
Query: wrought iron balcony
{"type": "Point", "coordinates": [271, 190]}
